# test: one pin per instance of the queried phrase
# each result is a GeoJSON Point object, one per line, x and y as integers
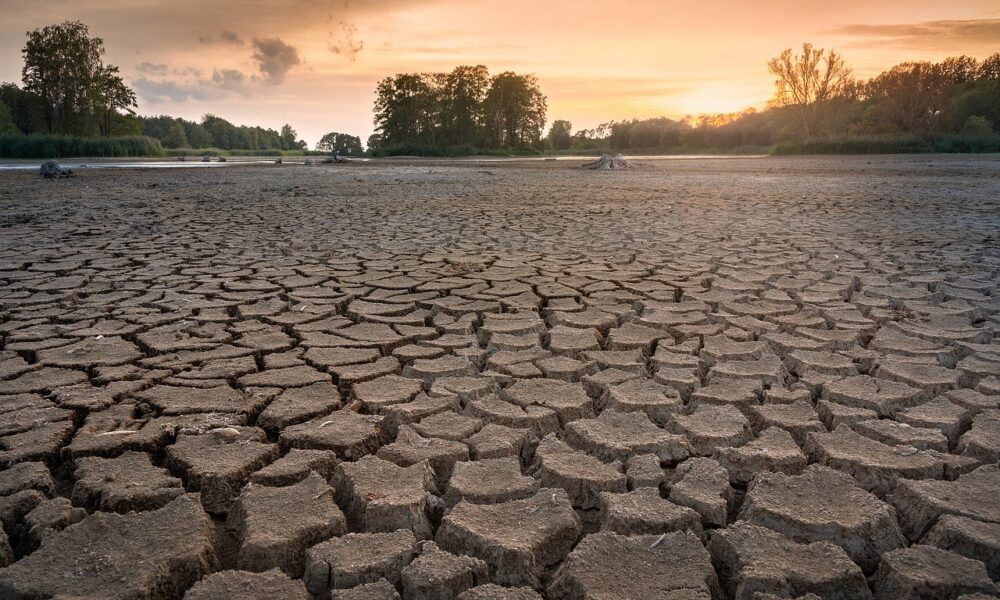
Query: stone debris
{"type": "Point", "coordinates": [451, 381]}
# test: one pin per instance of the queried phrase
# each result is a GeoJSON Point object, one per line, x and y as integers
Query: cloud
{"type": "Point", "coordinates": [226, 36]}
{"type": "Point", "coordinates": [343, 41]}
{"type": "Point", "coordinates": [925, 34]}
{"type": "Point", "coordinates": [230, 37]}
{"type": "Point", "coordinates": [152, 69]}
{"type": "Point", "coordinates": [222, 83]}
{"type": "Point", "coordinates": [275, 58]}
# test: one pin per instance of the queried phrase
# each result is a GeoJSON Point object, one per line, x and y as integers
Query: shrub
{"type": "Point", "coordinates": [64, 146]}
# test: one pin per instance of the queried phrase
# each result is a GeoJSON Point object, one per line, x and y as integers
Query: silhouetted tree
{"type": "Point", "coordinates": [806, 80]}
{"type": "Point", "coordinates": [340, 143]}
{"type": "Point", "coordinates": [560, 134]}
{"type": "Point", "coordinates": [515, 111]}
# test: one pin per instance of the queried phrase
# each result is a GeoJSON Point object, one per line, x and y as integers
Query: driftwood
{"type": "Point", "coordinates": [336, 158]}
{"type": "Point", "coordinates": [609, 161]}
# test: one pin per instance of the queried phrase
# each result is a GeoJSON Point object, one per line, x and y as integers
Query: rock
{"type": "Point", "coordinates": [928, 573]}
{"type": "Point", "coordinates": [296, 466]}
{"type": "Point", "coordinates": [517, 539]}
{"type": "Point", "coordinates": [970, 538]}
{"type": "Point", "coordinates": [608, 565]}
{"type": "Point", "coordinates": [773, 450]}
{"type": "Point", "coordinates": [248, 586]}
{"type": "Point", "coordinates": [644, 512]}
{"type": "Point", "coordinates": [752, 559]}
{"type": "Point", "coordinates": [124, 484]}
{"type": "Point", "coordinates": [920, 503]}
{"type": "Point", "coordinates": [379, 496]}
{"type": "Point", "coordinates": [153, 554]}
{"type": "Point", "coordinates": [824, 505]}
{"type": "Point", "coordinates": [703, 485]}
{"type": "Point", "coordinates": [358, 558]}
{"type": "Point", "coordinates": [274, 526]}
{"type": "Point", "coordinates": [439, 575]}
{"type": "Point", "coordinates": [489, 481]}
{"type": "Point", "coordinates": [51, 169]}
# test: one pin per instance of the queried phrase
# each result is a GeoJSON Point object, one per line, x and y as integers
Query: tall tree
{"type": "Point", "coordinates": [199, 137]}
{"type": "Point", "coordinates": [912, 96]}
{"type": "Point", "coordinates": [340, 143]}
{"type": "Point", "coordinates": [7, 126]}
{"type": "Point", "coordinates": [462, 92]}
{"type": "Point", "coordinates": [64, 67]}
{"type": "Point", "coordinates": [176, 137]}
{"type": "Point", "coordinates": [515, 110]}
{"type": "Point", "coordinates": [804, 81]}
{"type": "Point", "coordinates": [560, 134]}
{"type": "Point", "coordinates": [406, 109]}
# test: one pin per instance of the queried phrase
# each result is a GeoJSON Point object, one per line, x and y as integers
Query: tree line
{"type": "Point", "coordinates": [70, 101]}
{"type": "Point", "coordinates": [951, 105]}
{"type": "Point", "coordinates": [458, 112]}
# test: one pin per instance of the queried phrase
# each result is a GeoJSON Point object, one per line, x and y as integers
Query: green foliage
{"type": "Point", "coordinates": [340, 143]}
{"type": "Point", "coordinates": [78, 93]}
{"type": "Point", "coordinates": [893, 144]}
{"type": "Point", "coordinates": [46, 146]}
{"type": "Point", "coordinates": [560, 135]}
{"type": "Point", "coordinates": [175, 137]}
{"type": "Point", "coordinates": [7, 126]}
{"type": "Point", "coordinates": [428, 113]}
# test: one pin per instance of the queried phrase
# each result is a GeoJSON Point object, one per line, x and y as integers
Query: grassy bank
{"type": "Point", "coordinates": [448, 151]}
{"type": "Point", "coordinates": [893, 144]}
{"type": "Point", "coordinates": [64, 146]}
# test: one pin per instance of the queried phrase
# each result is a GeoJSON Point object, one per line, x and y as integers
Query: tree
{"type": "Point", "coordinates": [913, 96]}
{"type": "Point", "coordinates": [806, 81]}
{"type": "Point", "coordinates": [63, 66]}
{"type": "Point", "coordinates": [7, 126]}
{"type": "Point", "coordinates": [406, 110]}
{"type": "Point", "coordinates": [990, 67]}
{"type": "Point", "coordinates": [176, 138]}
{"type": "Point", "coordinates": [288, 141]}
{"type": "Point", "coordinates": [26, 109]}
{"type": "Point", "coordinates": [461, 98]}
{"type": "Point", "coordinates": [560, 134]}
{"type": "Point", "coordinates": [109, 97]}
{"type": "Point", "coordinates": [199, 137]}
{"type": "Point", "coordinates": [374, 143]}
{"type": "Point", "coordinates": [340, 143]}
{"type": "Point", "coordinates": [515, 111]}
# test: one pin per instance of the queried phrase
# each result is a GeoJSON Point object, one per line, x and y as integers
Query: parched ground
{"type": "Point", "coordinates": [729, 378]}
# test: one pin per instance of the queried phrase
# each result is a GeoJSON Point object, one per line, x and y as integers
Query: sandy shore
{"type": "Point", "coordinates": [711, 375]}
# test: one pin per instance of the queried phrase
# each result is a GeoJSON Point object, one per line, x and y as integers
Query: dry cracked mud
{"type": "Point", "coordinates": [698, 379]}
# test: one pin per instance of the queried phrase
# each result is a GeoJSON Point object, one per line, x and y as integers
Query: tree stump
{"type": "Point", "coordinates": [50, 169]}
{"type": "Point", "coordinates": [608, 162]}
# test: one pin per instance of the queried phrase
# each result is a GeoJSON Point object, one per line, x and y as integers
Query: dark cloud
{"type": "Point", "coordinates": [926, 34]}
{"type": "Point", "coordinates": [343, 40]}
{"type": "Point", "coordinates": [275, 58]}
{"type": "Point", "coordinates": [152, 68]}
{"type": "Point", "coordinates": [230, 37]}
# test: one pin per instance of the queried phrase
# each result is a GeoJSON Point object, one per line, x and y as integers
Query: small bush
{"type": "Point", "coordinates": [64, 146]}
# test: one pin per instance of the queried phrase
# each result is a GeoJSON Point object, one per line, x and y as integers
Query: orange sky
{"type": "Point", "coordinates": [315, 63]}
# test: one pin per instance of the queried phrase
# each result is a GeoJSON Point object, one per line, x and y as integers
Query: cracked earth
{"type": "Point", "coordinates": [706, 379]}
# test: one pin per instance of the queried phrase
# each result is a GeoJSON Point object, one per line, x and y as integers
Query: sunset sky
{"type": "Point", "coordinates": [315, 63]}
